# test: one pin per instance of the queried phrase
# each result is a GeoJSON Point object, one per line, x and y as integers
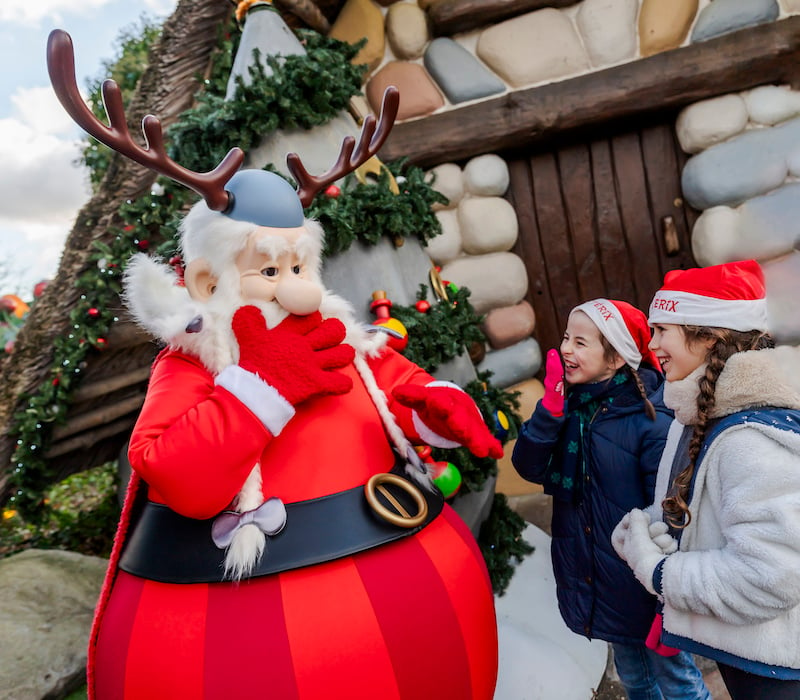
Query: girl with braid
{"type": "Point", "coordinates": [595, 447]}
{"type": "Point", "coordinates": [728, 485]}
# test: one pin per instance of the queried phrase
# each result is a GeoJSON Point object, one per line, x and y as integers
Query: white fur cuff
{"type": "Point", "coordinates": [263, 400]}
{"type": "Point", "coordinates": [426, 434]}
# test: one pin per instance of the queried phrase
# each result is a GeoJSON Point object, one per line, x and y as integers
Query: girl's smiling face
{"type": "Point", "coordinates": [678, 358]}
{"type": "Point", "coordinates": [585, 359]}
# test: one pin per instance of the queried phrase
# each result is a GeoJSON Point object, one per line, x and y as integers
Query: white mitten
{"type": "Point", "coordinates": [639, 550]}
{"type": "Point", "coordinates": [659, 533]}
{"type": "Point", "coordinates": [619, 534]}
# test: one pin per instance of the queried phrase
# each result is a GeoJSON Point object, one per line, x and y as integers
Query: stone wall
{"type": "Point", "coordinates": [439, 73]}
{"type": "Point", "coordinates": [744, 177]}
{"type": "Point", "coordinates": [479, 228]}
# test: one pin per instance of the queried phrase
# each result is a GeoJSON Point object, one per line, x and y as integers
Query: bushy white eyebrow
{"type": "Point", "coordinates": [273, 246]}
{"type": "Point", "coordinates": [308, 248]}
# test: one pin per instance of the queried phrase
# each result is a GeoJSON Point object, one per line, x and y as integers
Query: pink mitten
{"type": "Point", "coordinates": [451, 414]}
{"type": "Point", "coordinates": [553, 399]}
{"type": "Point", "coordinates": [298, 357]}
{"type": "Point", "coordinates": [653, 640]}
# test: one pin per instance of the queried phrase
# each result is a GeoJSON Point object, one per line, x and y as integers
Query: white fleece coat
{"type": "Point", "coordinates": [734, 584]}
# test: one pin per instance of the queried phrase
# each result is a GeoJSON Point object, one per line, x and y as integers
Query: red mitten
{"type": "Point", "coordinates": [451, 414]}
{"type": "Point", "coordinates": [553, 399]}
{"type": "Point", "coordinates": [298, 357]}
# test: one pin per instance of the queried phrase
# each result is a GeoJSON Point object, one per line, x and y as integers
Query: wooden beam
{"type": "Point", "coordinates": [126, 334]}
{"type": "Point", "coordinates": [85, 441]}
{"type": "Point", "coordinates": [768, 53]}
{"type": "Point", "coordinates": [109, 384]}
{"type": "Point", "coordinates": [452, 16]}
{"type": "Point", "coordinates": [97, 417]}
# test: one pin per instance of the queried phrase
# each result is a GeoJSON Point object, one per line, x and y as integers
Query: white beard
{"type": "Point", "coordinates": [164, 310]}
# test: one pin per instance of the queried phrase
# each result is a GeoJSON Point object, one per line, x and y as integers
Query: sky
{"type": "Point", "coordinates": [42, 186]}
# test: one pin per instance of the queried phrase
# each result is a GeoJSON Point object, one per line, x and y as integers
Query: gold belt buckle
{"type": "Point", "coordinates": [402, 518]}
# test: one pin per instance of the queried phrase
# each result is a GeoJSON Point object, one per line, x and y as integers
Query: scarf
{"type": "Point", "coordinates": [566, 472]}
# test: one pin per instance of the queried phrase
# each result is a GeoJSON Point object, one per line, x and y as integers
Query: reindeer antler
{"type": "Point", "coordinates": [369, 143]}
{"type": "Point", "coordinates": [61, 66]}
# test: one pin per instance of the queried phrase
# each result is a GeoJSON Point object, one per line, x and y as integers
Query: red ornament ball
{"type": "Point", "coordinates": [423, 306]}
{"type": "Point", "coordinates": [93, 312]}
{"type": "Point", "coordinates": [143, 244]}
{"type": "Point", "coordinates": [333, 191]}
{"type": "Point", "coordinates": [101, 343]}
{"type": "Point", "coordinates": [38, 290]}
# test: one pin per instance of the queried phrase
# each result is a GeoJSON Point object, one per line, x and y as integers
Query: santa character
{"type": "Point", "coordinates": [279, 539]}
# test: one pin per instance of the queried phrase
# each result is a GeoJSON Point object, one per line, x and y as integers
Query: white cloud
{"type": "Point", "coordinates": [29, 253]}
{"type": "Point", "coordinates": [39, 147]}
{"type": "Point", "coordinates": [33, 12]}
{"type": "Point", "coordinates": [38, 108]}
{"type": "Point", "coordinates": [30, 13]}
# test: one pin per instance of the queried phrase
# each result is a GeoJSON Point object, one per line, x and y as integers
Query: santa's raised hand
{"type": "Point", "coordinates": [446, 416]}
{"type": "Point", "coordinates": [281, 367]}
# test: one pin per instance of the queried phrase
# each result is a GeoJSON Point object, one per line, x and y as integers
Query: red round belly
{"type": "Point", "coordinates": [411, 620]}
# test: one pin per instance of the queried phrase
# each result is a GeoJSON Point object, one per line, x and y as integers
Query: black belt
{"type": "Point", "coordinates": [168, 547]}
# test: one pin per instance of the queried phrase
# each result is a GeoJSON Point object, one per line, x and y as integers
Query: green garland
{"type": "Point", "coordinates": [302, 91]}
{"type": "Point", "coordinates": [369, 213]}
{"type": "Point", "coordinates": [441, 333]}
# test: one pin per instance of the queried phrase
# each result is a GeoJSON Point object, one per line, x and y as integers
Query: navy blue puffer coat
{"type": "Point", "coordinates": [598, 595]}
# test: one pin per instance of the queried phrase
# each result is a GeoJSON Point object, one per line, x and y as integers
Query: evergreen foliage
{"type": "Point", "coordinates": [302, 92]}
{"type": "Point", "coordinates": [443, 332]}
{"type": "Point", "coordinates": [367, 213]}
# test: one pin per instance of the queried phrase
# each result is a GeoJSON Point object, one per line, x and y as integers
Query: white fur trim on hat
{"type": "Point", "coordinates": [609, 321]}
{"type": "Point", "coordinates": [687, 309]}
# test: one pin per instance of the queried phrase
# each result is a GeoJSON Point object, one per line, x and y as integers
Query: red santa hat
{"type": "Point", "coordinates": [722, 296]}
{"type": "Point", "coordinates": [624, 327]}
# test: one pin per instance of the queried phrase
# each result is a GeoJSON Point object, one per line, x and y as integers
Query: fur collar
{"type": "Point", "coordinates": [749, 380]}
{"type": "Point", "coordinates": [164, 309]}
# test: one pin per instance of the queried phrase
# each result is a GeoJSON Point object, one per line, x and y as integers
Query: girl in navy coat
{"type": "Point", "coordinates": [595, 447]}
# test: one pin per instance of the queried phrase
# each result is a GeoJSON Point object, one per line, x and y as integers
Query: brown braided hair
{"type": "Point", "coordinates": [726, 342]}
{"type": "Point", "coordinates": [610, 355]}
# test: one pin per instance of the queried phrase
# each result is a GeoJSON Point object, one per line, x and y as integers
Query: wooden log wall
{"type": "Point", "coordinates": [452, 16]}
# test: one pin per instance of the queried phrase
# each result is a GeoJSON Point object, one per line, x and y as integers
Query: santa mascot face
{"type": "Point", "coordinates": [262, 252]}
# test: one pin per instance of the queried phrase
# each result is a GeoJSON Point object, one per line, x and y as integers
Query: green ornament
{"type": "Point", "coordinates": [446, 477]}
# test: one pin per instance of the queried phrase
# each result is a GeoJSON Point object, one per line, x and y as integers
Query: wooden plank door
{"type": "Point", "coordinates": [601, 217]}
